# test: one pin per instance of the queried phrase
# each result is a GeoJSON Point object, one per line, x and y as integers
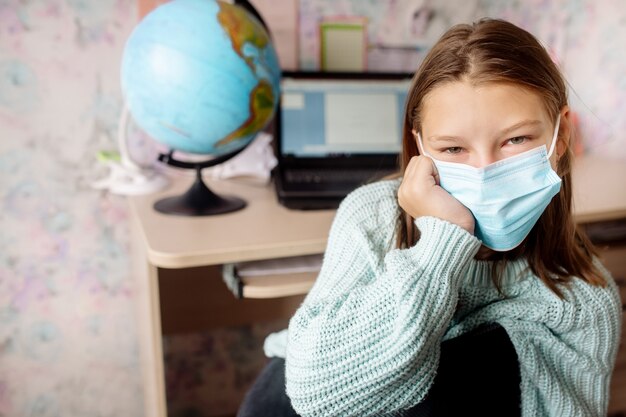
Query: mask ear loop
{"type": "Point", "coordinates": [419, 140]}
{"type": "Point", "coordinates": [554, 137]}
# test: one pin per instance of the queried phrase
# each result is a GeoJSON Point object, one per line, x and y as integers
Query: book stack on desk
{"type": "Point", "coordinates": [272, 278]}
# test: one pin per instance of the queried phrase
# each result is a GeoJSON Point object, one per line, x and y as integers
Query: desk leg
{"type": "Point", "coordinates": [149, 330]}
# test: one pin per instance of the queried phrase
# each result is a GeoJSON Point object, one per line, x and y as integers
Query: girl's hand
{"type": "Point", "coordinates": [420, 195]}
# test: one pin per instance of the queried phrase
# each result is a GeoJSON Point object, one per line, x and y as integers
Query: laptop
{"type": "Point", "coordinates": [335, 132]}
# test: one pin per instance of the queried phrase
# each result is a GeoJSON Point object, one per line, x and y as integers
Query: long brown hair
{"type": "Point", "coordinates": [497, 51]}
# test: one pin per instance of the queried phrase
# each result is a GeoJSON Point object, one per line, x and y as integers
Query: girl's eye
{"type": "Point", "coordinates": [453, 150]}
{"type": "Point", "coordinates": [518, 140]}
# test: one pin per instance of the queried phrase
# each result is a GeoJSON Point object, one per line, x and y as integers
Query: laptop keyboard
{"type": "Point", "coordinates": [328, 175]}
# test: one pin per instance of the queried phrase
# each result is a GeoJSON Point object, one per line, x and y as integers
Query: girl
{"type": "Point", "coordinates": [477, 231]}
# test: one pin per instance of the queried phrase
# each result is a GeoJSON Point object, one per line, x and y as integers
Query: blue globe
{"type": "Point", "coordinates": [200, 76]}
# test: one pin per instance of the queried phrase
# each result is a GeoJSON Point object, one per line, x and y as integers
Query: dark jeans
{"type": "Point", "coordinates": [267, 397]}
{"type": "Point", "coordinates": [478, 374]}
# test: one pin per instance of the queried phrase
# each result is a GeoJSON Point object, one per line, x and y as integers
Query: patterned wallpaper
{"type": "Point", "coordinates": [67, 338]}
{"type": "Point", "coordinates": [68, 343]}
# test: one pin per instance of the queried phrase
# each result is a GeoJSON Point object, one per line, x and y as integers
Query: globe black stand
{"type": "Point", "coordinates": [198, 200]}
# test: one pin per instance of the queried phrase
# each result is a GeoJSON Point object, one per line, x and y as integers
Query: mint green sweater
{"type": "Point", "coordinates": [366, 340]}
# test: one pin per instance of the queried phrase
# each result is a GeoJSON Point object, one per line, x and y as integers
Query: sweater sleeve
{"type": "Point", "coordinates": [567, 348]}
{"type": "Point", "coordinates": [366, 339]}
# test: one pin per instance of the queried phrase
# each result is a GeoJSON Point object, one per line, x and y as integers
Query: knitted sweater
{"type": "Point", "coordinates": [366, 340]}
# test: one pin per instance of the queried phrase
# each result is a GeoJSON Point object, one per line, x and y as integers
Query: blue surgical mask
{"type": "Point", "coordinates": [506, 197]}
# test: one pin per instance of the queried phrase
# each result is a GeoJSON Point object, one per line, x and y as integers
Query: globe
{"type": "Point", "coordinates": [201, 76]}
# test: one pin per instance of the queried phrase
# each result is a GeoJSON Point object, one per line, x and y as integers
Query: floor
{"type": "Point", "coordinates": [207, 374]}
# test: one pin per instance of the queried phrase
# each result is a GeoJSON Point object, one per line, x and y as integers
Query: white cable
{"type": "Point", "coordinates": [127, 177]}
{"type": "Point", "coordinates": [122, 141]}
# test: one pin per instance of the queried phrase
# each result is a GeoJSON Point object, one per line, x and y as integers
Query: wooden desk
{"type": "Point", "coordinates": [265, 229]}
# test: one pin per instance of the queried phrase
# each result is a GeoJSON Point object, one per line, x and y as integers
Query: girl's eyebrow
{"type": "Point", "coordinates": [523, 123]}
{"type": "Point", "coordinates": [444, 138]}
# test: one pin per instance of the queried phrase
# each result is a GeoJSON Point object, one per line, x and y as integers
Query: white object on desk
{"type": "Point", "coordinates": [256, 160]}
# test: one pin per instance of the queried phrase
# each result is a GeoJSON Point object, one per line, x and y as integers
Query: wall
{"type": "Point", "coordinates": [67, 335]}
{"type": "Point", "coordinates": [68, 345]}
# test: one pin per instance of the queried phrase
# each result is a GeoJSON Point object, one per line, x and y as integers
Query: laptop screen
{"type": "Point", "coordinates": [343, 116]}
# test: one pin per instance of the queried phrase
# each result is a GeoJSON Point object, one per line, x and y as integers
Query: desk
{"type": "Point", "coordinates": [264, 230]}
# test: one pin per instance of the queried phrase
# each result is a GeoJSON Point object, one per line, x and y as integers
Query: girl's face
{"type": "Point", "coordinates": [481, 124]}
